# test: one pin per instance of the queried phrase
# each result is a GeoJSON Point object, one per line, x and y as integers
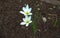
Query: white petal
{"type": "Point", "coordinates": [25, 14]}
{"type": "Point", "coordinates": [30, 22]}
{"type": "Point", "coordinates": [24, 9]}
{"type": "Point", "coordinates": [27, 6]}
{"type": "Point", "coordinates": [26, 17]}
{"type": "Point", "coordinates": [27, 24]}
{"type": "Point", "coordinates": [23, 19]}
{"type": "Point", "coordinates": [30, 14]}
{"type": "Point", "coordinates": [21, 12]}
{"type": "Point", "coordinates": [29, 9]}
{"type": "Point", "coordinates": [22, 23]}
{"type": "Point", "coordinates": [29, 17]}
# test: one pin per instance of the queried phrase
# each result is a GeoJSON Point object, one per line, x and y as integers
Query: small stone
{"type": "Point", "coordinates": [38, 8]}
{"type": "Point", "coordinates": [51, 8]}
{"type": "Point", "coordinates": [39, 30]}
{"type": "Point", "coordinates": [44, 19]}
{"type": "Point", "coordinates": [54, 7]}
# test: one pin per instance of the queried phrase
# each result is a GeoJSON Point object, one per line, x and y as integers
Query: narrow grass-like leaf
{"type": "Point", "coordinates": [33, 26]}
{"type": "Point", "coordinates": [55, 22]}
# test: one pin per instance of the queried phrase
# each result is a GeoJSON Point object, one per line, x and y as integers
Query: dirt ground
{"type": "Point", "coordinates": [10, 19]}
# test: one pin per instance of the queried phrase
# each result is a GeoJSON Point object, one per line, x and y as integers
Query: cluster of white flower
{"type": "Point", "coordinates": [27, 13]}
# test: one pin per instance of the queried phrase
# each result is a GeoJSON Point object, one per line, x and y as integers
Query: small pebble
{"type": "Point", "coordinates": [54, 6]}
{"type": "Point", "coordinates": [39, 30]}
{"type": "Point", "coordinates": [51, 8]}
{"type": "Point", "coordinates": [44, 19]}
{"type": "Point", "coordinates": [38, 8]}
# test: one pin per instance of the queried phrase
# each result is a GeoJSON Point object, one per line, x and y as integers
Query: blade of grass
{"type": "Point", "coordinates": [33, 26]}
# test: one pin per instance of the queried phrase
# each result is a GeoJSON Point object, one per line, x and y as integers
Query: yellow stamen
{"type": "Point", "coordinates": [27, 21]}
{"type": "Point", "coordinates": [27, 13]}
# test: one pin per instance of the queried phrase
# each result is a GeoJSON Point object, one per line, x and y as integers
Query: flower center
{"type": "Point", "coordinates": [27, 13]}
{"type": "Point", "coordinates": [27, 21]}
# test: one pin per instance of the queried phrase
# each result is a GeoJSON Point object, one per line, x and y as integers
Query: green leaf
{"type": "Point", "coordinates": [33, 26]}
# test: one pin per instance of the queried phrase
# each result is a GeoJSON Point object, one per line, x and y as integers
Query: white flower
{"type": "Point", "coordinates": [44, 19]}
{"type": "Point", "coordinates": [26, 21]}
{"type": "Point", "coordinates": [26, 10]}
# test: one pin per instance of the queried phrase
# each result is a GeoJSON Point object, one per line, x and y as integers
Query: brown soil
{"type": "Point", "coordinates": [10, 19]}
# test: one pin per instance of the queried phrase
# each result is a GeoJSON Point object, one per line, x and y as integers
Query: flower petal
{"type": "Point", "coordinates": [26, 17]}
{"type": "Point", "coordinates": [23, 19]}
{"type": "Point", "coordinates": [27, 6]}
{"type": "Point", "coordinates": [30, 14]}
{"type": "Point", "coordinates": [30, 22]}
{"type": "Point", "coordinates": [27, 24]}
{"type": "Point", "coordinates": [29, 18]}
{"type": "Point", "coordinates": [22, 23]}
{"type": "Point", "coordinates": [21, 12]}
{"type": "Point", "coordinates": [24, 9]}
{"type": "Point", "coordinates": [29, 9]}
